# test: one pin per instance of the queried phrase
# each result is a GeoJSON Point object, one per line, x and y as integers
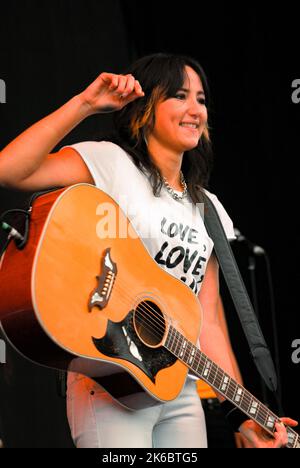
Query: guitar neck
{"type": "Point", "coordinates": [212, 374]}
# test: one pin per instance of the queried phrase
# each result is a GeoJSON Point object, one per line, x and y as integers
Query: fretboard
{"type": "Point", "coordinates": [212, 374]}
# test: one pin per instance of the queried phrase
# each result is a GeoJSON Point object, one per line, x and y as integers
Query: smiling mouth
{"type": "Point", "coordinates": [190, 126]}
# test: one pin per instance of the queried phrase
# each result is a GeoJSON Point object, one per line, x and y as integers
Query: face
{"type": "Point", "coordinates": [181, 120]}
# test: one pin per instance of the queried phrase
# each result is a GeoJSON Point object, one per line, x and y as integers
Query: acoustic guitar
{"type": "Point", "coordinates": [83, 297]}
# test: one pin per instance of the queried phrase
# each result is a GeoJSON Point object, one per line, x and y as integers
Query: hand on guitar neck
{"type": "Point", "coordinates": [253, 436]}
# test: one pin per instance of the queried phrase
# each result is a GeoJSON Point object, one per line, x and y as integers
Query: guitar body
{"type": "Point", "coordinates": [77, 299]}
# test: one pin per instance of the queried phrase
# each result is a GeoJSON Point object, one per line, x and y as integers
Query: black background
{"type": "Point", "coordinates": [50, 51]}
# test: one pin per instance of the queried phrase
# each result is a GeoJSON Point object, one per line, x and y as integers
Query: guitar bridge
{"type": "Point", "coordinates": [101, 294]}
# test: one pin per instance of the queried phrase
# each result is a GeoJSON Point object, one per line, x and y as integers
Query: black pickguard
{"type": "Point", "coordinates": [116, 344]}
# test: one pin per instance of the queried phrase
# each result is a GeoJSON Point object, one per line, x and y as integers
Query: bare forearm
{"type": "Point", "coordinates": [24, 155]}
{"type": "Point", "coordinates": [215, 346]}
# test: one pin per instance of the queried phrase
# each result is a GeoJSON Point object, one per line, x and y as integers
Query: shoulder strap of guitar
{"type": "Point", "coordinates": [259, 349]}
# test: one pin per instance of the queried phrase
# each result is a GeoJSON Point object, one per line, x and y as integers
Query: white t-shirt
{"type": "Point", "coordinates": [172, 231]}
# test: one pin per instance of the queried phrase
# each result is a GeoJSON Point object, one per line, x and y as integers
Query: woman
{"type": "Point", "coordinates": [160, 156]}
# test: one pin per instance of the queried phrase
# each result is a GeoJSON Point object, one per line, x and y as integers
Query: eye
{"type": "Point", "coordinates": [180, 95]}
{"type": "Point", "coordinates": [202, 101]}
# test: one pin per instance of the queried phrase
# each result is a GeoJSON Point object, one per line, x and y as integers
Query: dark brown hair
{"type": "Point", "coordinates": [161, 76]}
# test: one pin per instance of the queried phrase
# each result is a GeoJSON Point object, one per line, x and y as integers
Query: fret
{"type": "Point", "coordinates": [182, 350]}
{"type": "Point", "coordinates": [171, 338]}
{"type": "Point", "coordinates": [246, 401]}
{"type": "Point", "coordinates": [235, 393]}
{"type": "Point", "coordinates": [270, 422]}
{"type": "Point", "coordinates": [231, 390]}
{"type": "Point", "coordinates": [211, 374]}
{"type": "Point", "coordinates": [261, 415]}
{"type": "Point", "coordinates": [192, 350]}
{"type": "Point", "coordinates": [265, 417]}
{"type": "Point", "coordinates": [238, 395]}
{"type": "Point", "coordinates": [268, 418]}
{"type": "Point", "coordinates": [217, 371]}
{"type": "Point", "coordinates": [292, 438]}
{"type": "Point", "coordinates": [188, 351]}
{"type": "Point", "coordinates": [181, 347]}
{"type": "Point", "coordinates": [254, 407]}
{"type": "Point", "coordinates": [225, 383]}
{"type": "Point", "coordinates": [192, 357]}
{"type": "Point", "coordinates": [297, 439]}
{"type": "Point", "coordinates": [201, 362]}
{"type": "Point", "coordinates": [209, 371]}
{"type": "Point", "coordinates": [177, 342]}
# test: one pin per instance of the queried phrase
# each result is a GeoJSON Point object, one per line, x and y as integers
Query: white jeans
{"type": "Point", "coordinates": [97, 421]}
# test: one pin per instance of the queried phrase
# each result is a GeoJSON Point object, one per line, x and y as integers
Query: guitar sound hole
{"type": "Point", "coordinates": [150, 324]}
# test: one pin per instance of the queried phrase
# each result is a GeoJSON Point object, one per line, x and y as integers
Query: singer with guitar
{"type": "Point", "coordinates": [155, 167]}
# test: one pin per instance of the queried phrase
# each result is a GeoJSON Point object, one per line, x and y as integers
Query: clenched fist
{"type": "Point", "coordinates": [110, 93]}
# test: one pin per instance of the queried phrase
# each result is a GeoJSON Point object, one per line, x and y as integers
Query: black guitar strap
{"type": "Point", "coordinates": [259, 349]}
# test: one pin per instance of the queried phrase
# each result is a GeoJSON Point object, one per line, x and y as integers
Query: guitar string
{"type": "Point", "coordinates": [265, 412]}
{"type": "Point", "coordinates": [247, 397]}
{"type": "Point", "coordinates": [219, 379]}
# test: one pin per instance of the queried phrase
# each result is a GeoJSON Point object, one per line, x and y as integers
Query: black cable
{"type": "Point", "coordinates": [19, 210]}
{"type": "Point", "coordinates": [19, 243]}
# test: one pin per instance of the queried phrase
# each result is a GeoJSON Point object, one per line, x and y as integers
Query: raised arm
{"type": "Point", "coordinates": [26, 164]}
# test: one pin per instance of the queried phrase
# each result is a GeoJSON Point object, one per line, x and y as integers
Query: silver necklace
{"type": "Point", "coordinates": [172, 191]}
